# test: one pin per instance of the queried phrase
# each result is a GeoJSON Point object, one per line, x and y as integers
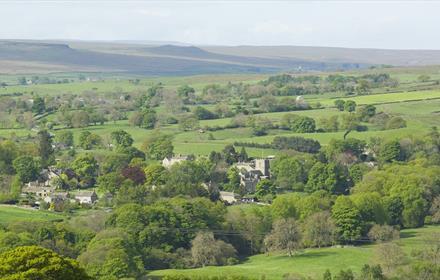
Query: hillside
{"type": "Point", "coordinates": [23, 56]}
{"type": "Point", "coordinates": [62, 55]}
{"type": "Point", "coordinates": [310, 262]}
{"type": "Point", "coordinates": [395, 114]}
{"type": "Point", "coordinates": [152, 60]}
{"type": "Point", "coordinates": [336, 55]}
{"type": "Point", "coordinates": [269, 62]}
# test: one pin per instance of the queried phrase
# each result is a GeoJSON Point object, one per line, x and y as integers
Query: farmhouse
{"type": "Point", "coordinates": [86, 197]}
{"type": "Point", "coordinates": [40, 191]}
{"type": "Point", "coordinates": [167, 162]}
{"type": "Point", "coordinates": [42, 187]}
{"type": "Point", "coordinates": [45, 176]}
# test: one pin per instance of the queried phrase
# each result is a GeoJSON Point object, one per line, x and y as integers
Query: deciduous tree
{"type": "Point", "coordinates": [319, 230]}
{"type": "Point", "coordinates": [158, 147]}
{"type": "Point", "coordinates": [347, 219]}
{"type": "Point", "coordinates": [340, 104]}
{"type": "Point", "coordinates": [390, 255]}
{"type": "Point", "coordinates": [86, 167]}
{"type": "Point", "coordinates": [32, 262]}
{"type": "Point", "coordinates": [206, 250]}
{"type": "Point", "coordinates": [27, 168]}
{"type": "Point", "coordinates": [285, 236]}
{"type": "Point", "coordinates": [65, 137]}
{"type": "Point", "coordinates": [122, 139]}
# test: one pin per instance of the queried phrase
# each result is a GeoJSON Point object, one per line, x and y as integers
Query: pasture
{"type": "Point", "coordinates": [419, 108]}
{"type": "Point", "coordinates": [310, 262]}
{"type": "Point", "coordinates": [10, 214]}
{"type": "Point", "coordinates": [105, 83]}
{"type": "Point", "coordinates": [420, 116]}
{"type": "Point", "coordinates": [377, 99]}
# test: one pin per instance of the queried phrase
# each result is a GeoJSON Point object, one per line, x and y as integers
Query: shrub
{"type": "Point", "coordinates": [206, 250]}
{"type": "Point", "coordinates": [395, 123]}
{"type": "Point", "coordinates": [382, 233]}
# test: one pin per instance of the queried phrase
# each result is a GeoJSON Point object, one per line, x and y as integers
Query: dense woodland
{"type": "Point", "coordinates": [349, 192]}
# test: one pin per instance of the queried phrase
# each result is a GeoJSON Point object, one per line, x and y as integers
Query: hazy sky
{"type": "Point", "coordinates": [379, 24]}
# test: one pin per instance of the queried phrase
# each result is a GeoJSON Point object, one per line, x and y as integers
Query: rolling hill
{"type": "Point", "coordinates": [154, 59]}
{"type": "Point", "coordinates": [62, 55]}
{"type": "Point", "coordinates": [336, 55]}
{"type": "Point", "coordinates": [35, 56]}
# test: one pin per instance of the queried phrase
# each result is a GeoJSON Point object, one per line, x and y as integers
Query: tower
{"type": "Point", "coordinates": [263, 166]}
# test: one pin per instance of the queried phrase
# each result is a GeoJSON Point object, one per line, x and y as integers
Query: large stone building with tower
{"type": "Point", "coordinates": [252, 172]}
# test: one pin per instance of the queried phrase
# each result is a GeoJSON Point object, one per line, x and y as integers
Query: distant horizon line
{"type": "Point", "coordinates": [185, 44]}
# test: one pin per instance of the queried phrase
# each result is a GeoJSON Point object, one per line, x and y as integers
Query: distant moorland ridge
{"type": "Point", "coordinates": [155, 59]}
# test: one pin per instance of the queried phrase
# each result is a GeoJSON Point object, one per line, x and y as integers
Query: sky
{"type": "Point", "coordinates": [358, 24]}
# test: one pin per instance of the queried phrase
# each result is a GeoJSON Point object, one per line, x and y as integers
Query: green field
{"type": "Point", "coordinates": [310, 262]}
{"type": "Point", "coordinates": [387, 97]}
{"type": "Point", "coordinates": [420, 116]}
{"type": "Point", "coordinates": [122, 84]}
{"type": "Point", "coordinates": [417, 102]}
{"type": "Point", "coordinates": [419, 109]}
{"type": "Point", "coordinates": [10, 214]}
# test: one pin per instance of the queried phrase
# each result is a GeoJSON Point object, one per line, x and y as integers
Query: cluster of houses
{"type": "Point", "coordinates": [250, 173]}
{"type": "Point", "coordinates": [44, 190]}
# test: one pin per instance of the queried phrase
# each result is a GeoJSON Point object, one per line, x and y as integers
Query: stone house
{"type": "Point", "coordinates": [86, 197]}
{"type": "Point", "coordinates": [167, 162]}
{"type": "Point", "coordinates": [39, 190]}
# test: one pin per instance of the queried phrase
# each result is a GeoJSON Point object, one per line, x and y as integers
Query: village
{"type": "Point", "coordinates": [219, 140]}
{"type": "Point", "coordinates": [47, 192]}
{"type": "Point", "coordinates": [250, 172]}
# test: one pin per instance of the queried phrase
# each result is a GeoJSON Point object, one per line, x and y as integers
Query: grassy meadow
{"type": "Point", "coordinates": [310, 262]}
{"type": "Point", "coordinates": [420, 109]}
{"type": "Point", "coordinates": [10, 214]}
{"type": "Point", "coordinates": [420, 116]}
{"type": "Point", "coordinates": [108, 84]}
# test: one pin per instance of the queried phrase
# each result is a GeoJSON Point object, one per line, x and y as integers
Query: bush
{"type": "Point", "coordinates": [395, 123]}
{"type": "Point", "coordinates": [206, 250]}
{"type": "Point", "coordinates": [303, 124]}
{"type": "Point", "coordinates": [428, 220]}
{"type": "Point", "coordinates": [383, 233]}
{"type": "Point", "coordinates": [171, 120]}
{"type": "Point", "coordinates": [204, 114]}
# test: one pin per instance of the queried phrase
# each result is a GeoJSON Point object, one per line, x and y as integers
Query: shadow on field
{"type": "Point", "coordinates": [408, 234]}
{"type": "Point", "coordinates": [306, 255]}
{"type": "Point", "coordinates": [315, 254]}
